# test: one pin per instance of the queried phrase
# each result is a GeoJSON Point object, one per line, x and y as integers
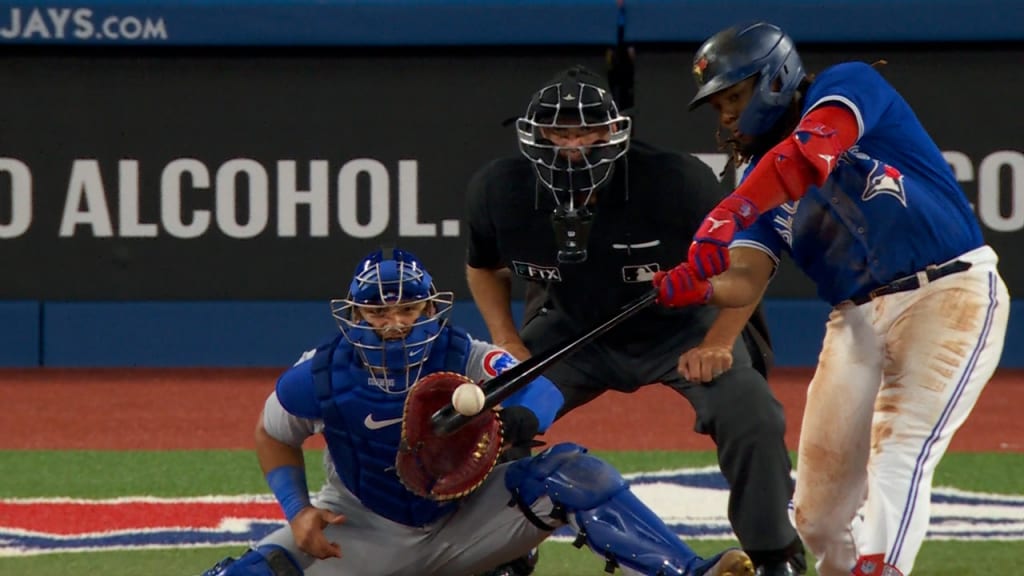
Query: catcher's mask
{"type": "Point", "coordinates": [740, 52]}
{"type": "Point", "coordinates": [381, 288]}
{"type": "Point", "coordinates": [573, 133]}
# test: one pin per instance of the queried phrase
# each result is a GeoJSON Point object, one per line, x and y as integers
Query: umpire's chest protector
{"type": "Point", "coordinates": [638, 229]}
{"type": "Point", "coordinates": [362, 426]}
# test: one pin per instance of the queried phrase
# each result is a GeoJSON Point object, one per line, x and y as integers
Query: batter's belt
{"type": "Point", "coordinates": [913, 282]}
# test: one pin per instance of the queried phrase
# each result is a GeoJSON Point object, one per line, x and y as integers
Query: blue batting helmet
{"type": "Point", "coordinates": [740, 52]}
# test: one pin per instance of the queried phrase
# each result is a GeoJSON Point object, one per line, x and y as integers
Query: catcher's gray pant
{"type": "Point", "coordinates": [737, 409]}
{"type": "Point", "coordinates": [483, 533]}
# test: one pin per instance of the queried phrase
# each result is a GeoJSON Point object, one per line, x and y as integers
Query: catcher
{"type": "Point", "coordinates": [399, 500]}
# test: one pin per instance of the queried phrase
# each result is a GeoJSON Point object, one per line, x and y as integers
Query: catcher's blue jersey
{"type": "Point", "coordinates": [361, 421]}
{"type": "Point", "coordinates": [890, 207]}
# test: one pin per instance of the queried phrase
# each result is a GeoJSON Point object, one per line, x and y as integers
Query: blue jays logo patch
{"type": "Point", "coordinates": [885, 179]}
{"type": "Point", "coordinates": [497, 361]}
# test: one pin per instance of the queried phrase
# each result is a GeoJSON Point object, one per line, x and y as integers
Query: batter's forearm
{"type": "Point", "coordinates": [736, 289]}
{"type": "Point", "coordinates": [492, 292]}
{"type": "Point", "coordinates": [728, 326]}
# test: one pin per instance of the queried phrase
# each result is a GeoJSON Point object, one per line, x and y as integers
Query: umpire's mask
{"type": "Point", "coordinates": [573, 133]}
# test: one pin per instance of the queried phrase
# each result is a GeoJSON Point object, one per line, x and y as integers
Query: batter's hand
{"type": "Point", "coordinates": [709, 252]}
{"type": "Point", "coordinates": [705, 362]}
{"type": "Point", "coordinates": [308, 529]}
{"type": "Point", "coordinates": [681, 286]}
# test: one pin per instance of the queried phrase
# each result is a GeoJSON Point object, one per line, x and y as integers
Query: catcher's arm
{"type": "Point", "coordinates": [279, 436]}
{"type": "Point", "coordinates": [540, 397]}
{"type": "Point", "coordinates": [447, 420]}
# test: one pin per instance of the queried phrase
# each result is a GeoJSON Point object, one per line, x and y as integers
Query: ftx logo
{"type": "Point", "coordinates": [536, 272]}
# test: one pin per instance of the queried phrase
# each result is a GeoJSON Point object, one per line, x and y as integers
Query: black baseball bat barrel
{"type": "Point", "coordinates": [447, 420]}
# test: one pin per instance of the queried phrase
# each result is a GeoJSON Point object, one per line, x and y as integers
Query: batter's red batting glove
{"type": "Point", "coordinates": [709, 252]}
{"type": "Point", "coordinates": [681, 286]}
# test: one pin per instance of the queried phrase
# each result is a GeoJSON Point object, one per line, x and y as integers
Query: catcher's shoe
{"type": "Point", "coordinates": [734, 562]}
{"type": "Point", "coordinates": [219, 568]}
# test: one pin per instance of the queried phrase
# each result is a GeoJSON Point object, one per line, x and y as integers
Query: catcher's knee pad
{"type": "Point", "coordinates": [573, 479]}
{"type": "Point", "coordinates": [596, 499]}
{"type": "Point", "coordinates": [268, 560]}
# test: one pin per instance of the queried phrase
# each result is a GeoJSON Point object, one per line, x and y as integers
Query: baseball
{"type": "Point", "coordinates": [468, 399]}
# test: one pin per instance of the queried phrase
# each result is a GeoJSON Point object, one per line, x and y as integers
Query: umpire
{"type": "Point", "coordinates": [587, 217]}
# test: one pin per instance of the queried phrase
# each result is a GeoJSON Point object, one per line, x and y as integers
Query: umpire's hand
{"type": "Point", "coordinates": [705, 362]}
{"type": "Point", "coordinates": [308, 529]}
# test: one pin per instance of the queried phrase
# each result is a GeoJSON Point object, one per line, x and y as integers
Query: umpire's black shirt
{"type": "Point", "coordinates": [644, 221]}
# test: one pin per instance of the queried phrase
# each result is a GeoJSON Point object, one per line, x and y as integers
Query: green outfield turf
{"type": "Point", "coordinates": [94, 474]}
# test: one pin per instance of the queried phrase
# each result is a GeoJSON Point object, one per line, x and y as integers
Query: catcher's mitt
{"type": "Point", "coordinates": [444, 467]}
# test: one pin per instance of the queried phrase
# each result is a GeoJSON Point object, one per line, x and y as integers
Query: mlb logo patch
{"type": "Point", "coordinates": [640, 273]}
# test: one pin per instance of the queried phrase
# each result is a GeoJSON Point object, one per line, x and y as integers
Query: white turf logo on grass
{"type": "Point", "coordinates": [691, 501]}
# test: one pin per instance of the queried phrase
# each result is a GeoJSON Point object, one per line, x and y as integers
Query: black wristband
{"type": "Point", "coordinates": [519, 425]}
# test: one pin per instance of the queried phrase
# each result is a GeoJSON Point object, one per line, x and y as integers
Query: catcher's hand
{"type": "Point", "coordinates": [444, 467]}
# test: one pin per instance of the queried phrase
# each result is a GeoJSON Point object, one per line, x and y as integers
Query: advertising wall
{"type": "Point", "coordinates": [254, 177]}
{"type": "Point", "coordinates": [187, 183]}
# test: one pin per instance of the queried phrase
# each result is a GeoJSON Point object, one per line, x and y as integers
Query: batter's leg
{"type": "Point", "coordinates": [943, 345]}
{"type": "Point", "coordinates": [834, 439]}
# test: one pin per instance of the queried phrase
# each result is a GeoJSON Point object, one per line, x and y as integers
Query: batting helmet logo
{"type": "Point", "coordinates": [698, 69]}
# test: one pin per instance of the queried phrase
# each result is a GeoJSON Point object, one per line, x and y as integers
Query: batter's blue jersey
{"type": "Point", "coordinates": [890, 207]}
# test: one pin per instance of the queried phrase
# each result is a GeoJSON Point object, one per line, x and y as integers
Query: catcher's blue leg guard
{"type": "Point", "coordinates": [269, 560]}
{"type": "Point", "coordinates": [610, 519]}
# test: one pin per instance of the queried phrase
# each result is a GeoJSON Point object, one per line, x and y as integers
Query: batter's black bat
{"type": "Point", "coordinates": [447, 420]}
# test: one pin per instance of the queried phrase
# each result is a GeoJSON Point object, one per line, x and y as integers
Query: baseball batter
{"type": "Point", "coordinates": [845, 179]}
{"type": "Point", "coordinates": [365, 522]}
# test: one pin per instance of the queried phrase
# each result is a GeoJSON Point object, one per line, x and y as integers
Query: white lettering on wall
{"type": "Point", "coordinates": [86, 201]}
{"type": "Point", "coordinates": [171, 213]}
{"type": "Point", "coordinates": [289, 198]}
{"type": "Point", "coordinates": [1000, 182]}
{"type": "Point", "coordinates": [348, 197]}
{"type": "Point", "coordinates": [235, 179]}
{"type": "Point", "coordinates": [20, 197]}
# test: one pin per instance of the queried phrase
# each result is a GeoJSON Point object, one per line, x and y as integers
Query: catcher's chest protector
{"type": "Point", "coordinates": [362, 427]}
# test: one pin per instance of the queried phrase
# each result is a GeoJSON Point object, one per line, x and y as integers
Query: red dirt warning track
{"type": "Point", "coordinates": [167, 409]}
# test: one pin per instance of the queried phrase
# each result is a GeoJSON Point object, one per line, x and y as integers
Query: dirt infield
{"type": "Point", "coordinates": [149, 409]}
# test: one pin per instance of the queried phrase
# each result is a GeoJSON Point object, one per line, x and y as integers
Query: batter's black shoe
{"type": "Point", "coordinates": [522, 566]}
{"type": "Point", "coordinates": [796, 566]}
